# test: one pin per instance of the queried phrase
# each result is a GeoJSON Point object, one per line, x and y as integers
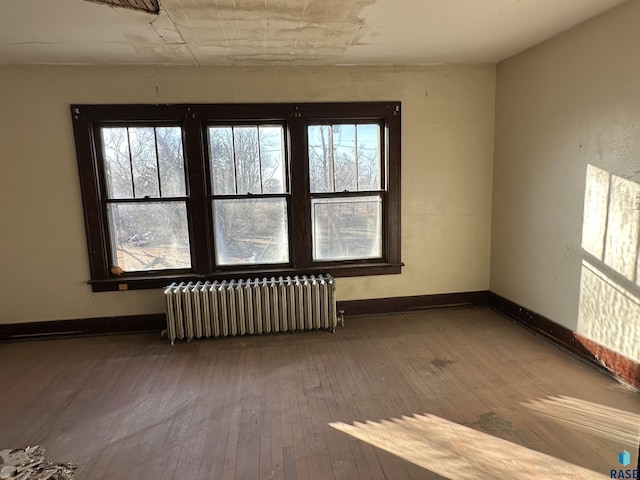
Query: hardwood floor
{"type": "Point", "coordinates": [458, 394]}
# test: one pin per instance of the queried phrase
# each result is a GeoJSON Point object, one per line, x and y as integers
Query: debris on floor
{"type": "Point", "coordinates": [31, 464]}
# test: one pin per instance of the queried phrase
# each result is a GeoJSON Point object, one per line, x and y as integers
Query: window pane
{"type": "Point", "coordinates": [272, 159]}
{"type": "Point", "coordinates": [171, 161]}
{"type": "Point", "coordinates": [223, 177]}
{"type": "Point", "coordinates": [115, 146]}
{"type": "Point", "coordinates": [247, 159]}
{"type": "Point", "coordinates": [144, 164]}
{"type": "Point", "coordinates": [347, 228]}
{"type": "Point", "coordinates": [149, 236]}
{"type": "Point", "coordinates": [133, 150]}
{"type": "Point", "coordinates": [320, 158]}
{"type": "Point", "coordinates": [344, 157]}
{"type": "Point", "coordinates": [368, 157]}
{"type": "Point", "coordinates": [247, 152]}
{"type": "Point", "coordinates": [251, 231]}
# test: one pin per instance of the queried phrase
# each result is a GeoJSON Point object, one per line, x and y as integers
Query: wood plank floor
{"type": "Point", "coordinates": [458, 394]}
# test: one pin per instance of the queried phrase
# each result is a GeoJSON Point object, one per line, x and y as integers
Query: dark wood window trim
{"type": "Point", "coordinates": [87, 119]}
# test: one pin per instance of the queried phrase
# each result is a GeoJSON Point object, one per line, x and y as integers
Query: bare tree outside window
{"type": "Point", "coordinates": [145, 169]}
{"type": "Point", "coordinates": [247, 159]}
{"type": "Point", "coordinates": [246, 162]}
{"type": "Point", "coordinates": [345, 159]}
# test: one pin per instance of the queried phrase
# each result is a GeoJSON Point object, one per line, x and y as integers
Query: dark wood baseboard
{"type": "Point", "coordinates": [157, 322]}
{"type": "Point", "coordinates": [602, 357]}
{"type": "Point", "coordinates": [414, 303]}
{"type": "Point", "coordinates": [621, 367]}
{"type": "Point", "coordinates": [82, 327]}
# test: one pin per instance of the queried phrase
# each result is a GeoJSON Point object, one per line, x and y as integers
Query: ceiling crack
{"type": "Point", "coordinates": [504, 12]}
{"type": "Point", "coordinates": [164, 14]}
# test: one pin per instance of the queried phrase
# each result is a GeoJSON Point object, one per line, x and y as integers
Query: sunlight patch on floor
{"type": "Point", "coordinates": [457, 452]}
{"type": "Point", "coordinates": [606, 422]}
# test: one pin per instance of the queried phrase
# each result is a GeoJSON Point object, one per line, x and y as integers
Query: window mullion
{"type": "Point", "coordinates": [300, 204]}
{"type": "Point", "coordinates": [357, 158]}
{"type": "Point", "coordinates": [198, 205]}
{"type": "Point", "coordinates": [155, 139]}
{"type": "Point", "coordinates": [332, 166]}
{"type": "Point", "coordinates": [133, 183]}
{"type": "Point", "coordinates": [259, 159]}
{"type": "Point", "coordinates": [235, 160]}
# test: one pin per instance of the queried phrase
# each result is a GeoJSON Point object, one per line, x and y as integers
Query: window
{"type": "Point", "coordinates": [344, 171]}
{"type": "Point", "coordinates": [176, 192]}
{"type": "Point", "coordinates": [146, 197]}
{"type": "Point", "coordinates": [249, 194]}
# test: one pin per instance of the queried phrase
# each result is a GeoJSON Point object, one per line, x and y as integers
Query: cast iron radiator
{"type": "Point", "coordinates": [251, 306]}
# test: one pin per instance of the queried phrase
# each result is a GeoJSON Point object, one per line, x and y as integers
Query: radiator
{"type": "Point", "coordinates": [251, 306]}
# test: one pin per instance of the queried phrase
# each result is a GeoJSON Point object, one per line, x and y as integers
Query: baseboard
{"type": "Point", "coordinates": [82, 327]}
{"type": "Point", "coordinates": [602, 357]}
{"type": "Point", "coordinates": [157, 322]}
{"type": "Point", "coordinates": [414, 303]}
{"type": "Point", "coordinates": [618, 365]}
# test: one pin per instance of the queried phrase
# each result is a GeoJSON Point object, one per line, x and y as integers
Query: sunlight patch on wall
{"type": "Point", "coordinates": [621, 241]}
{"type": "Point", "coordinates": [460, 453]}
{"type": "Point", "coordinates": [611, 221]}
{"type": "Point", "coordinates": [608, 313]}
{"type": "Point", "coordinates": [596, 202]}
{"type": "Point", "coordinates": [609, 308]}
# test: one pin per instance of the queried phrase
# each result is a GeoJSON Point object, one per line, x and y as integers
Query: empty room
{"type": "Point", "coordinates": [304, 239]}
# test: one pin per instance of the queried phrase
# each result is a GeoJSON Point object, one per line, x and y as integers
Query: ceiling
{"type": "Point", "coordinates": [293, 32]}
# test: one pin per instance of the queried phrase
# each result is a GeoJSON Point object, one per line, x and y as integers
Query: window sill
{"type": "Point", "coordinates": [150, 281]}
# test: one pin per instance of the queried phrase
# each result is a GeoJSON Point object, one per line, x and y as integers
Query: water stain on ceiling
{"type": "Point", "coordinates": [257, 31]}
{"type": "Point", "coordinates": [277, 32]}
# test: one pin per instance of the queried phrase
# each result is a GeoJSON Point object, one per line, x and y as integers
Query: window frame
{"type": "Point", "coordinates": [212, 196]}
{"type": "Point", "coordinates": [194, 120]}
{"type": "Point", "coordinates": [106, 200]}
{"type": "Point", "coordinates": [336, 194]}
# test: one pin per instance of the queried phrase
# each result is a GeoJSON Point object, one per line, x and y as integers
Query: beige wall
{"type": "Point", "coordinates": [448, 123]}
{"type": "Point", "coordinates": [566, 194]}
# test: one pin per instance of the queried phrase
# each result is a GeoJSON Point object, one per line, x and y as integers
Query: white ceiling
{"type": "Point", "coordinates": [317, 32]}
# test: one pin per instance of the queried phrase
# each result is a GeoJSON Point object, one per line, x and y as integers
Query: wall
{"type": "Point", "coordinates": [448, 122]}
{"type": "Point", "coordinates": [566, 193]}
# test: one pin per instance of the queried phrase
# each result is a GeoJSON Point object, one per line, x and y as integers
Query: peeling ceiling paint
{"type": "Point", "coordinates": [150, 6]}
{"type": "Point", "coordinates": [258, 31]}
{"type": "Point", "coordinates": [292, 32]}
